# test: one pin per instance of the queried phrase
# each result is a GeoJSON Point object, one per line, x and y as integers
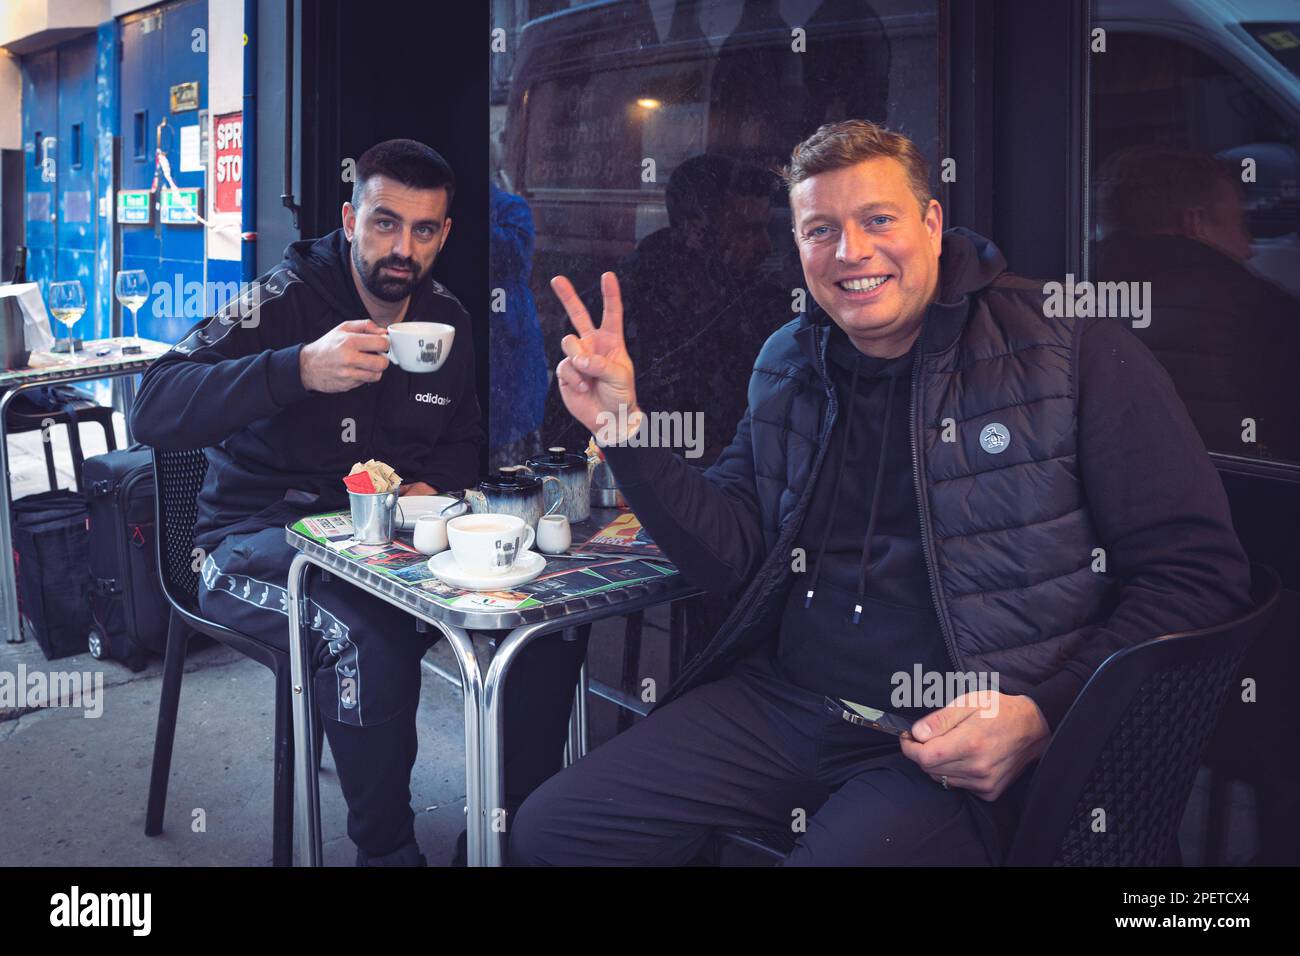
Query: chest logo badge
{"type": "Point", "coordinates": [995, 438]}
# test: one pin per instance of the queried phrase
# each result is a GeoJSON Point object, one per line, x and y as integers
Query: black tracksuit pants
{"type": "Point", "coordinates": [753, 750]}
{"type": "Point", "coordinates": [367, 676]}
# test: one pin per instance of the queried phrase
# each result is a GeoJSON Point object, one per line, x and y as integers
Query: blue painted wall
{"type": "Point", "coordinates": [157, 54]}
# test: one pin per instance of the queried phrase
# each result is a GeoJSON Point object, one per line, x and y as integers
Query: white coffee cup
{"type": "Point", "coordinates": [420, 346]}
{"type": "Point", "coordinates": [430, 534]}
{"type": "Point", "coordinates": [488, 543]}
{"type": "Point", "coordinates": [553, 534]}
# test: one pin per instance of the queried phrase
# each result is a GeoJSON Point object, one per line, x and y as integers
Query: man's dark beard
{"type": "Point", "coordinates": [388, 289]}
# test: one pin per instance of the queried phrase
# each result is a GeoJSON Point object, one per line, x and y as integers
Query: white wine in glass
{"type": "Point", "coordinates": [132, 289]}
{"type": "Point", "coordinates": [67, 304]}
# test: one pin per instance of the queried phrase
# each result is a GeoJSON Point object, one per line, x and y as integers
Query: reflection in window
{"type": "Point", "coordinates": [1195, 193]}
{"type": "Point", "coordinates": [642, 137]}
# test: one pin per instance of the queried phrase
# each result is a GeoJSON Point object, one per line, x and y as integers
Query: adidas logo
{"type": "Point", "coordinates": [431, 399]}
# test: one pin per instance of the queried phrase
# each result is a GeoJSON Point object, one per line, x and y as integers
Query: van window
{"type": "Point", "coordinates": [644, 138]}
{"type": "Point", "coordinates": [1194, 190]}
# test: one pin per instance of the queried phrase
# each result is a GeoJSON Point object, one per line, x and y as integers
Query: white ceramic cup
{"type": "Point", "coordinates": [488, 543]}
{"type": "Point", "coordinates": [430, 535]}
{"type": "Point", "coordinates": [553, 534]}
{"type": "Point", "coordinates": [420, 346]}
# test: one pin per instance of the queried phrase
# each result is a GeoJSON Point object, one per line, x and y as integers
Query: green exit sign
{"type": "Point", "coordinates": [134, 207]}
{"type": "Point", "coordinates": [179, 206]}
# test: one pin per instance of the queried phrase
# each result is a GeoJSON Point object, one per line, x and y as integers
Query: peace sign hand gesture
{"type": "Point", "coordinates": [596, 375]}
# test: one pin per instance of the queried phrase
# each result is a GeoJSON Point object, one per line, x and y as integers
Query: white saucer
{"type": "Point", "coordinates": [412, 506]}
{"type": "Point", "coordinates": [527, 566]}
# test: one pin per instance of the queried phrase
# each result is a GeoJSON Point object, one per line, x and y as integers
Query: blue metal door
{"type": "Point", "coordinates": [40, 131]}
{"type": "Point", "coordinates": [75, 177]}
{"type": "Point", "coordinates": [59, 136]}
{"type": "Point", "coordinates": [162, 52]}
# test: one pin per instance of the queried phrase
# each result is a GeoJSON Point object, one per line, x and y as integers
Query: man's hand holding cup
{"type": "Point", "coordinates": [350, 354]}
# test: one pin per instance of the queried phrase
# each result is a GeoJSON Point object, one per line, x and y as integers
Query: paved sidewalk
{"type": "Point", "coordinates": [73, 789]}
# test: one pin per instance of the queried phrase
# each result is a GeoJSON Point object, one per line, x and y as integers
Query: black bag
{"type": "Point", "coordinates": [130, 610]}
{"type": "Point", "coordinates": [51, 566]}
{"type": "Point", "coordinates": [51, 398]}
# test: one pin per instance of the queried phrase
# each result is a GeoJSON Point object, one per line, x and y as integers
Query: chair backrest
{"type": "Point", "coordinates": [1113, 784]}
{"type": "Point", "coordinates": [178, 477]}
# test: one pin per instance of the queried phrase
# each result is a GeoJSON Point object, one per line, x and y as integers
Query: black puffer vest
{"type": "Point", "coordinates": [1008, 538]}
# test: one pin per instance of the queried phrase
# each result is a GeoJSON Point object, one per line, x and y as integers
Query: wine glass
{"type": "Point", "coordinates": [132, 289]}
{"type": "Point", "coordinates": [67, 303]}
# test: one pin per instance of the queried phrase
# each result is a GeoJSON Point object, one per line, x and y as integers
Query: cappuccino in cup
{"type": "Point", "coordinates": [420, 346]}
{"type": "Point", "coordinates": [488, 543]}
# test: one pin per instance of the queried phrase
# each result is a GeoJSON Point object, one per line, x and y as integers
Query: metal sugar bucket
{"type": "Point", "coordinates": [372, 516]}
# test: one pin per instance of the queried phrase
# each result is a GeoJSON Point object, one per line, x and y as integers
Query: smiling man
{"type": "Point", "coordinates": [926, 475]}
{"type": "Point", "coordinates": [283, 401]}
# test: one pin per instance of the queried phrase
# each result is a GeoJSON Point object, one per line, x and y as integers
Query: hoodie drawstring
{"type": "Point", "coordinates": [875, 494]}
{"type": "Point", "coordinates": [875, 500]}
{"type": "Point", "coordinates": [835, 492]}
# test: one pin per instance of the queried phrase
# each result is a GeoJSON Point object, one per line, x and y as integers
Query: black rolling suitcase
{"type": "Point", "coordinates": [129, 609]}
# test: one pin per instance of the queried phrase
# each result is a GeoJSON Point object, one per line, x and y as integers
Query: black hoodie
{"type": "Point", "coordinates": [277, 451]}
{"type": "Point", "coordinates": [1153, 493]}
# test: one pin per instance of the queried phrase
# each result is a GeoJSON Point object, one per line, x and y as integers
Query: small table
{"type": "Point", "coordinates": [48, 368]}
{"type": "Point", "coordinates": [628, 582]}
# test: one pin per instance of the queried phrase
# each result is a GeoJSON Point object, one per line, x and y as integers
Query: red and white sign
{"type": "Point", "coordinates": [228, 134]}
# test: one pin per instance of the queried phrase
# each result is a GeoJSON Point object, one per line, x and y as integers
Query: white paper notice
{"type": "Point", "coordinates": [190, 149]}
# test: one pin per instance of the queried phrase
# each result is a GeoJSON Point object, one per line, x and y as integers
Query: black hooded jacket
{"type": "Point", "coordinates": [277, 451]}
{"type": "Point", "coordinates": [1001, 537]}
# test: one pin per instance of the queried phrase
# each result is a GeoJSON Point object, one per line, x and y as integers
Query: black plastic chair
{"type": "Point", "coordinates": [1130, 746]}
{"type": "Point", "coordinates": [179, 477]}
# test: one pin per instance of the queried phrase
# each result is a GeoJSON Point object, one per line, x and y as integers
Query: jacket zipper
{"type": "Point", "coordinates": [924, 512]}
{"type": "Point", "coordinates": [787, 537]}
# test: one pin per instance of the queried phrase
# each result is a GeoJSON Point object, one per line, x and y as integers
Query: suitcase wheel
{"type": "Point", "coordinates": [98, 647]}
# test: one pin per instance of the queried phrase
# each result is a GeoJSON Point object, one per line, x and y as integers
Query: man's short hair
{"type": "Point", "coordinates": [699, 185]}
{"type": "Point", "coordinates": [1144, 190]}
{"type": "Point", "coordinates": [849, 142]}
{"type": "Point", "coordinates": [405, 161]}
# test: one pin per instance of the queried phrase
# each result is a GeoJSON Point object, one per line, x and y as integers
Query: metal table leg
{"type": "Point", "coordinates": [9, 621]}
{"type": "Point", "coordinates": [573, 746]}
{"type": "Point", "coordinates": [472, 688]}
{"type": "Point", "coordinates": [307, 828]}
{"type": "Point", "coordinates": [494, 794]}
{"type": "Point", "coordinates": [580, 714]}
{"type": "Point", "coordinates": [128, 399]}
{"type": "Point", "coordinates": [306, 783]}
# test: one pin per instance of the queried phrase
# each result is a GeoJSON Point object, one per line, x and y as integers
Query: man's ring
{"type": "Point", "coordinates": [944, 781]}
